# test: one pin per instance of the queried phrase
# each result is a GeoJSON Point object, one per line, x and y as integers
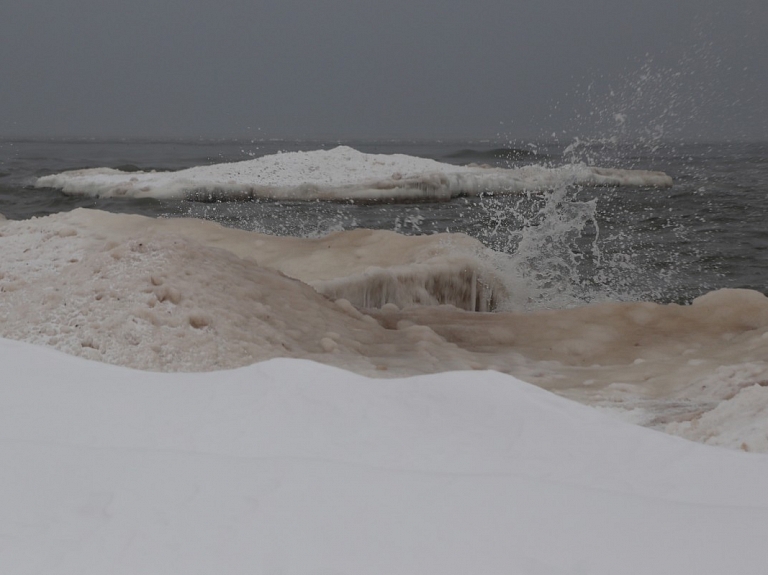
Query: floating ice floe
{"type": "Point", "coordinates": [339, 174]}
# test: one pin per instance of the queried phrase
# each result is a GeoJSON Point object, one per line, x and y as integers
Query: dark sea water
{"type": "Point", "coordinates": [706, 232]}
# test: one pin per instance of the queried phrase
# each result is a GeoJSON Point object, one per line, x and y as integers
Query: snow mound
{"type": "Point", "coordinates": [293, 467]}
{"type": "Point", "coordinates": [738, 422]}
{"type": "Point", "coordinates": [191, 295]}
{"type": "Point", "coordinates": [339, 174]}
{"type": "Point", "coordinates": [188, 295]}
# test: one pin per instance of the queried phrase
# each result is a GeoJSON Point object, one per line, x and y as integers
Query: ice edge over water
{"type": "Point", "coordinates": [337, 175]}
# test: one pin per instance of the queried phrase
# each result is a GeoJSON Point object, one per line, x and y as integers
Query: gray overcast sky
{"type": "Point", "coordinates": [401, 68]}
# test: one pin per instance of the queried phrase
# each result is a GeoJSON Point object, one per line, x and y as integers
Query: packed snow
{"type": "Point", "coordinates": [341, 173]}
{"type": "Point", "coordinates": [289, 466]}
{"type": "Point", "coordinates": [188, 295]}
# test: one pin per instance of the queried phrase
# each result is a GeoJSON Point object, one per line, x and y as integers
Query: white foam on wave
{"type": "Point", "coordinates": [339, 174]}
{"type": "Point", "coordinates": [189, 295]}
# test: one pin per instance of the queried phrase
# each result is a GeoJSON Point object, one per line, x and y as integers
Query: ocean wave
{"type": "Point", "coordinates": [511, 154]}
{"type": "Point", "coordinates": [339, 174]}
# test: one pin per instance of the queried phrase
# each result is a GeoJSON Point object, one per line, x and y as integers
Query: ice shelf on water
{"type": "Point", "coordinates": [339, 174]}
{"type": "Point", "coordinates": [189, 295]}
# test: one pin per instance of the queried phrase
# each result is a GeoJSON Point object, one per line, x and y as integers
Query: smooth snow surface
{"type": "Point", "coordinates": [188, 295]}
{"type": "Point", "coordinates": [339, 174]}
{"type": "Point", "coordinates": [291, 467]}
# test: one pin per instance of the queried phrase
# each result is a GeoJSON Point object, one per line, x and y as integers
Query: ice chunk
{"type": "Point", "coordinates": [339, 174]}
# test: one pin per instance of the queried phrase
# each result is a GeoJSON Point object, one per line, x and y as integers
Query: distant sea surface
{"type": "Point", "coordinates": [707, 231]}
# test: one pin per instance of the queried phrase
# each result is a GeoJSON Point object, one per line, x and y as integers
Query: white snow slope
{"type": "Point", "coordinates": [288, 466]}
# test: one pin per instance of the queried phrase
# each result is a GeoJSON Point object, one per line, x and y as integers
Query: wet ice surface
{"type": "Point", "coordinates": [187, 295]}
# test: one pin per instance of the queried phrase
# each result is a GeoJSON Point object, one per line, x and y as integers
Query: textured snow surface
{"type": "Point", "coordinates": [339, 174]}
{"type": "Point", "coordinates": [289, 467]}
{"type": "Point", "coordinates": [191, 295]}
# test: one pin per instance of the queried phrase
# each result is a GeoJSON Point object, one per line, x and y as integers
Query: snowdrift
{"type": "Point", "coordinates": [294, 467]}
{"type": "Point", "coordinates": [187, 295]}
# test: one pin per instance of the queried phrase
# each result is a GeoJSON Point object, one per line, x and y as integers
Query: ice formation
{"type": "Point", "coordinates": [188, 295]}
{"type": "Point", "coordinates": [339, 174]}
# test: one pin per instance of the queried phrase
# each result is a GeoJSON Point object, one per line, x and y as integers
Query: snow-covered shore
{"type": "Point", "coordinates": [295, 467]}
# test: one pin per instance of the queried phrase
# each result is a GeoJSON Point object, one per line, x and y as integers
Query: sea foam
{"type": "Point", "coordinates": [339, 174]}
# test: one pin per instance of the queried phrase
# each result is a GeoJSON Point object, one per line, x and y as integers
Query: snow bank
{"type": "Point", "coordinates": [192, 295]}
{"type": "Point", "coordinates": [187, 295]}
{"type": "Point", "coordinates": [662, 366]}
{"type": "Point", "coordinates": [339, 174]}
{"type": "Point", "coordinates": [738, 422]}
{"type": "Point", "coordinates": [293, 467]}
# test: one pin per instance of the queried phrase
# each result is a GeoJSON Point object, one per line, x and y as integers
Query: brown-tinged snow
{"type": "Point", "coordinates": [187, 295]}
